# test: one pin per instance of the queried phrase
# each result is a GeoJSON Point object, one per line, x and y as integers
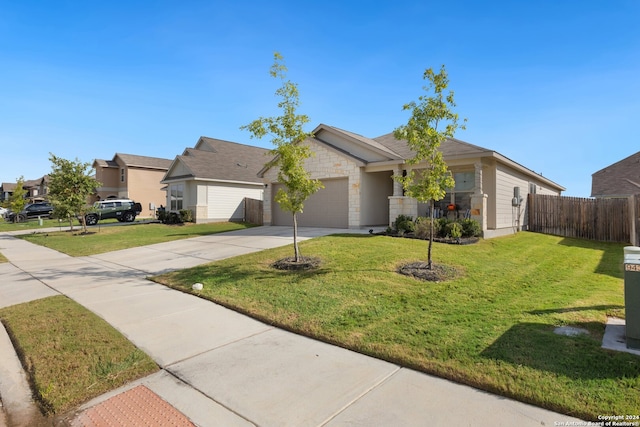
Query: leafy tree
{"type": "Point", "coordinates": [288, 136]}
{"type": "Point", "coordinates": [70, 185]}
{"type": "Point", "coordinates": [432, 121]}
{"type": "Point", "coordinates": [17, 202]}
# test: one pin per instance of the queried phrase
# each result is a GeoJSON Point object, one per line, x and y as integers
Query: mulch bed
{"type": "Point", "coordinates": [448, 240]}
{"type": "Point", "coordinates": [305, 263]}
{"type": "Point", "coordinates": [420, 270]}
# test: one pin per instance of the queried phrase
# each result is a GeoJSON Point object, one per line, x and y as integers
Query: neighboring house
{"type": "Point", "coordinates": [620, 179]}
{"type": "Point", "coordinates": [129, 176]}
{"type": "Point", "coordinates": [36, 189]}
{"type": "Point", "coordinates": [359, 190]}
{"type": "Point", "coordinates": [213, 178]}
{"type": "Point", "coordinates": [6, 190]}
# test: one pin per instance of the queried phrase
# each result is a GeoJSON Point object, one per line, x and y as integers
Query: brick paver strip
{"type": "Point", "coordinates": [134, 408]}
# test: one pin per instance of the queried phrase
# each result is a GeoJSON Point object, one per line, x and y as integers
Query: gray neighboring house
{"type": "Point", "coordinates": [621, 179]}
{"type": "Point", "coordinates": [213, 178]}
{"type": "Point", "coordinates": [6, 190]}
{"type": "Point", "coordinates": [360, 192]}
{"type": "Point", "coordinates": [36, 189]}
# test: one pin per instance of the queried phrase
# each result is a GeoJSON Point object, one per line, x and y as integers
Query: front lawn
{"type": "Point", "coordinates": [70, 354]}
{"type": "Point", "coordinates": [34, 224]}
{"type": "Point", "coordinates": [112, 238]}
{"type": "Point", "coordinates": [491, 328]}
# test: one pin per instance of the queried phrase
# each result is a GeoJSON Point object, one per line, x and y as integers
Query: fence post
{"type": "Point", "coordinates": [633, 215]}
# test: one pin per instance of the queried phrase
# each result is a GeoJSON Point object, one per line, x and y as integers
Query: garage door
{"type": "Point", "coordinates": [328, 207]}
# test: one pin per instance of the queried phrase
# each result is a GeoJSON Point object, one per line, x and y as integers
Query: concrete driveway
{"type": "Point", "coordinates": [179, 254]}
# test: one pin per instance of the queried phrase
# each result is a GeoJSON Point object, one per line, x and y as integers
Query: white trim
{"type": "Point", "coordinates": [223, 181]}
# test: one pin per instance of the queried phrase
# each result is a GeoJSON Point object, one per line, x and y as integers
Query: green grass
{"type": "Point", "coordinates": [107, 239]}
{"type": "Point", "coordinates": [34, 225]}
{"type": "Point", "coordinates": [492, 327]}
{"type": "Point", "coordinates": [70, 354]}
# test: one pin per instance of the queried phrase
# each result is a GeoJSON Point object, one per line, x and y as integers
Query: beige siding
{"type": "Point", "coordinates": [194, 197]}
{"type": "Point", "coordinates": [179, 169]}
{"type": "Point", "coordinates": [122, 185]}
{"type": "Point", "coordinates": [506, 214]}
{"type": "Point", "coordinates": [198, 194]}
{"type": "Point", "coordinates": [108, 178]}
{"type": "Point", "coordinates": [541, 189]}
{"type": "Point", "coordinates": [144, 187]}
{"type": "Point", "coordinates": [489, 188]}
{"type": "Point", "coordinates": [506, 180]}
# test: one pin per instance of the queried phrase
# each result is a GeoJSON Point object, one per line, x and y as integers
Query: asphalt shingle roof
{"type": "Point", "coordinates": [225, 161]}
{"type": "Point", "coordinates": [451, 147]}
{"type": "Point", "coordinates": [144, 161]}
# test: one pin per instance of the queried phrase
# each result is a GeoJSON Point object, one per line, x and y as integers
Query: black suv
{"type": "Point", "coordinates": [32, 210]}
{"type": "Point", "coordinates": [123, 210]}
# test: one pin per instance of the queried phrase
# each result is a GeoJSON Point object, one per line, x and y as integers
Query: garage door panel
{"type": "Point", "coordinates": [328, 207]}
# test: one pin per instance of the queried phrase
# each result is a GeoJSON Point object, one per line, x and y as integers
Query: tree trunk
{"type": "Point", "coordinates": [430, 235]}
{"type": "Point", "coordinates": [295, 239]}
{"type": "Point", "coordinates": [83, 222]}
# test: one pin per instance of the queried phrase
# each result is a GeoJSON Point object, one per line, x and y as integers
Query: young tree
{"type": "Point", "coordinates": [17, 202]}
{"type": "Point", "coordinates": [432, 121]}
{"type": "Point", "coordinates": [70, 185]}
{"type": "Point", "coordinates": [288, 136]}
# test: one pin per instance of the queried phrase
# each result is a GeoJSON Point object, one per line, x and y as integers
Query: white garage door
{"type": "Point", "coordinates": [226, 202]}
{"type": "Point", "coordinates": [328, 207]}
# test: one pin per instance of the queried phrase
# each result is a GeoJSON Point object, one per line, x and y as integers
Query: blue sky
{"type": "Point", "coordinates": [553, 85]}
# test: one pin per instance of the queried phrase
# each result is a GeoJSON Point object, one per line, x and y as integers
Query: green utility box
{"type": "Point", "coordinates": [632, 295]}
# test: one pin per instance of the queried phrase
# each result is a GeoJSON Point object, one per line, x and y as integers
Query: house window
{"type": "Point", "coordinates": [122, 175]}
{"type": "Point", "coordinates": [176, 195]}
{"type": "Point", "coordinates": [462, 191]}
{"type": "Point", "coordinates": [532, 188]}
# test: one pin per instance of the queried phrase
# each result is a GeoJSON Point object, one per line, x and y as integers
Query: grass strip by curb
{"type": "Point", "coordinates": [70, 354]}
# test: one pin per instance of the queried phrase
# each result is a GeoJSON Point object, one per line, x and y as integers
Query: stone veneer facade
{"type": "Point", "coordinates": [327, 164]}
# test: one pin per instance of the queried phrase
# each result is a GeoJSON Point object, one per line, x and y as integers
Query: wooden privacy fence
{"type": "Point", "coordinates": [253, 211]}
{"type": "Point", "coordinates": [609, 220]}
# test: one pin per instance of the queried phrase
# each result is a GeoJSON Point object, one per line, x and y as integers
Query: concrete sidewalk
{"type": "Point", "coordinates": [221, 368]}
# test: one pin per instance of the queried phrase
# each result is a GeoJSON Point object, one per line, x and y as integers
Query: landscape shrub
{"type": "Point", "coordinates": [172, 218]}
{"type": "Point", "coordinates": [404, 224]}
{"type": "Point", "coordinates": [470, 228]}
{"type": "Point", "coordinates": [442, 227]}
{"type": "Point", "coordinates": [186, 215]}
{"type": "Point", "coordinates": [422, 227]}
{"type": "Point", "coordinates": [453, 229]}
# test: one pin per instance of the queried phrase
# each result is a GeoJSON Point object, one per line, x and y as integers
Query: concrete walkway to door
{"type": "Point", "coordinates": [220, 368]}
